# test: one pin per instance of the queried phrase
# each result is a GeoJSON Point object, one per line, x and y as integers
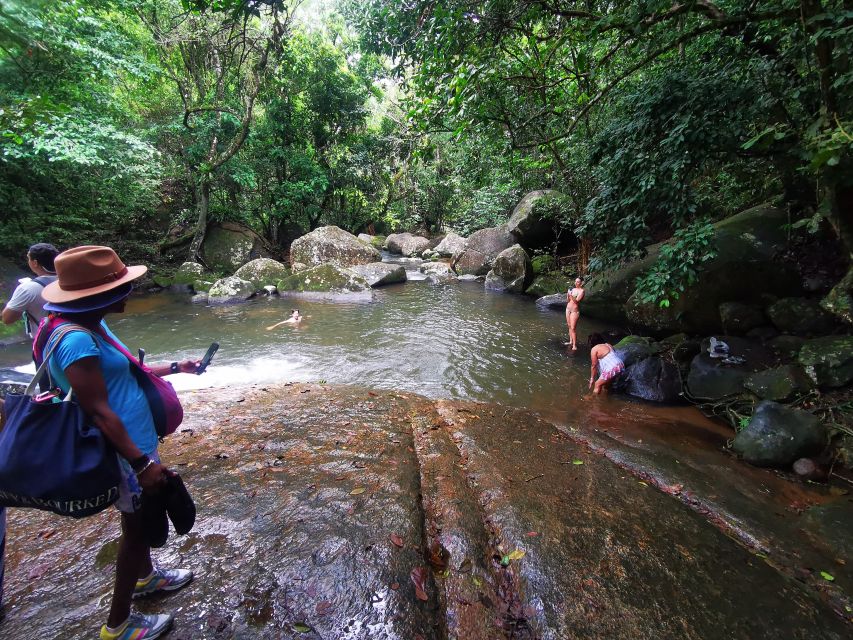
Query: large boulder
{"type": "Point", "coordinates": [652, 379]}
{"type": "Point", "coordinates": [378, 274]}
{"type": "Point", "coordinates": [633, 349]}
{"type": "Point", "coordinates": [262, 272]}
{"type": "Point", "coordinates": [394, 242]}
{"type": "Point", "coordinates": [511, 271]}
{"type": "Point", "coordinates": [188, 273]}
{"type": "Point", "coordinates": [437, 272]}
{"type": "Point", "coordinates": [800, 316]}
{"type": "Point", "coordinates": [549, 283]}
{"type": "Point", "coordinates": [323, 279]}
{"type": "Point", "coordinates": [450, 244]}
{"type": "Point", "coordinates": [555, 301]}
{"type": "Point", "coordinates": [737, 318]}
{"type": "Point", "coordinates": [780, 383]}
{"type": "Point", "coordinates": [710, 379]}
{"type": "Point", "coordinates": [828, 360]}
{"type": "Point", "coordinates": [227, 246]}
{"type": "Point", "coordinates": [778, 435]}
{"type": "Point", "coordinates": [230, 289]}
{"type": "Point", "coordinates": [526, 223]}
{"type": "Point", "coordinates": [481, 251]}
{"type": "Point", "coordinates": [747, 262]}
{"type": "Point", "coordinates": [330, 245]}
{"type": "Point", "coordinates": [414, 246]}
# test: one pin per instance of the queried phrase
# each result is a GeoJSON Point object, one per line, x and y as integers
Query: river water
{"type": "Point", "coordinates": [453, 340]}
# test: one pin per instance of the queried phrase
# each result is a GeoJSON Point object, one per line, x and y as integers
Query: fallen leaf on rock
{"type": "Point", "coordinates": [371, 393]}
{"type": "Point", "coordinates": [477, 581]}
{"type": "Point", "coordinates": [465, 567]}
{"type": "Point", "coordinates": [301, 627]}
{"type": "Point", "coordinates": [324, 608]}
{"type": "Point", "coordinates": [518, 554]}
{"type": "Point", "coordinates": [397, 540]}
{"type": "Point", "coordinates": [418, 576]}
{"type": "Point", "coordinates": [531, 534]}
{"type": "Point", "coordinates": [577, 461]}
{"type": "Point", "coordinates": [395, 586]}
{"type": "Point", "coordinates": [827, 576]}
{"type": "Point", "coordinates": [357, 491]}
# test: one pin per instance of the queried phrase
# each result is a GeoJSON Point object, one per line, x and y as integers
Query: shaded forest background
{"type": "Point", "coordinates": [138, 123]}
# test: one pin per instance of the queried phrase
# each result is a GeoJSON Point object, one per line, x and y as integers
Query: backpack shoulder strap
{"type": "Point", "coordinates": [43, 280]}
{"type": "Point", "coordinates": [55, 337]}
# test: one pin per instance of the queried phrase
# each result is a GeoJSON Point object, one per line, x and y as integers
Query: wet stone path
{"type": "Point", "coordinates": [338, 513]}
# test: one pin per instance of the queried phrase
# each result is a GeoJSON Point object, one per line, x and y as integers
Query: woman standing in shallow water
{"type": "Point", "coordinates": [573, 311]}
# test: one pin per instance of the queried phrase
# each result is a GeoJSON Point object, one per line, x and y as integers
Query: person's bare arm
{"type": "Point", "coordinates": [580, 295]}
{"type": "Point", "coordinates": [184, 366]}
{"type": "Point", "coordinates": [277, 324]}
{"type": "Point", "coordinates": [593, 356]}
{"type": "Point", "coordinates": [11, 316]}
{"type": "Point", "coordinates": [86, 379]}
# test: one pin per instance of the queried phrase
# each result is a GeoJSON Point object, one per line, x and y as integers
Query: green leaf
{"type": "Point", "coordinates": [301, 627]}
{"type": "Point", "coordinates": [577, 461]}
{"type": "Point", "coordinates": [827, 576]}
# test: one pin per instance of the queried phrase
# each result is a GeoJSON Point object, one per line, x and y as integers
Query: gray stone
{"type": "Point", "coordinates": [323, 279]}
{"type": "Point", "coordinates": [828, 360]}
{"type": "Point", "coordinates": [188, 273]}
{"type": "Point", "coordinates": [556, 301]}
{"type": "Point", "coordinates": [780, 383]}
{"type": "Point", "coordinates": [652, 379]}
{"type": "Point", "coordinates": [394, 242]}
{"type": "Point", "coordinates": [199, 298]}
{"type": "Point", "coordinates": [709, 379]}
{"type": "Point", "coordinates": [482, 249]}
{"type": "Point", "coordinates": [777, 435]}
{"type": "Point", "coordinates": [800, 316]}
{"type": "Point", "coordinates": [414, 246]}
{"type": "Point", "coordinates": [262, 272]}
{"type": "Point", "coordinates": [366, 238]}
{"type": "Point", "coordinates": [530, 230]}
{"type": "Point", "coordinates": [839, 301]}
{"type": "Point", "coordinates": [738, 318]}
{"type": "Point", "coordinates": [452, 243]}
{"type": "Point", "coordinates": [378, 274]}
{"type": "Point", "coordinates": [511, 271]}
{"type": "Point", "coordinates": [437, 272]}
{"type": "Point", "coordinates": [230, 289]}
{"type": "Point", "coordinates": [330, 245]}
{"type": "Point", "coordinates": [228, 245]}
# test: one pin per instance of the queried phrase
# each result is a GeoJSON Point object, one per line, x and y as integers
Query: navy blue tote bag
{"type": "Point", "coordinates": [52, 458]}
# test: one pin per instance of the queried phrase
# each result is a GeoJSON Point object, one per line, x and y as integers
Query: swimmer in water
{"type": "Point", "coordinates": [294, 319]}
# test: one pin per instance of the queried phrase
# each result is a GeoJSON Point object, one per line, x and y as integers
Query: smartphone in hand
{"type": "Point", "coordinates": [207, 358]}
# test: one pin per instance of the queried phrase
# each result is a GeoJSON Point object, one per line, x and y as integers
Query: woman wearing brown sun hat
{"type": "Point", "coordinates": [92, 282]}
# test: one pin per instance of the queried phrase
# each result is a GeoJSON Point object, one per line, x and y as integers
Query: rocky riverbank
{"type": "Point", "coordinates": [345, 513]}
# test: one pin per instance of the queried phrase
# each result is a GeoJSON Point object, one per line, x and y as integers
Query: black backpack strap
{"type": "Point", "coordinates": [44, 280]}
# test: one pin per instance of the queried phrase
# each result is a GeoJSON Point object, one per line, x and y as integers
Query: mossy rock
{"type": "Point", "coordinates": [163, 280]}
{"type": "Point", "coordinates": [780, 383]}
{"type": "Point", "coordinates": [549, 283]}
{"type": "Point", "coordinates": [227, 246]}
{"type": "Point", "coordinates": [202, 286]}
{"type": "Point", "coordinates": [800, 316]}
{"type": "Point", "coordinates": [828, 360]}
{"type": "Point", "coordinates": [325, 278]}
{"type": "Point", "coordinates": [188, 273]}
{"type": "Point", "coordinates": [262, 272]}
{"type": "Point", "coordinates": [778, 435]}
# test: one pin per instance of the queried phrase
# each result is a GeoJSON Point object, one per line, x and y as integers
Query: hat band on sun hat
{"type": "Point", "coordinates": [110, 277]}
{"type": "Point", "coordinates": [91, 303]}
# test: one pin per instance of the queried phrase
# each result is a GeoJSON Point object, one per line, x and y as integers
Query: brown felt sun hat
{"type": "Point", "coordinates": [86, 271]}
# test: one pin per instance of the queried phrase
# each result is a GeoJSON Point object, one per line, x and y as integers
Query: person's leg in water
{"type": "Point", "coordinates": [572, 317]}
{"type": "Point", "coordinates": [600, 385]}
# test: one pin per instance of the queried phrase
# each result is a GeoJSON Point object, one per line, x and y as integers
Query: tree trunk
{"type": "Point", "coordinates": [202, 206]}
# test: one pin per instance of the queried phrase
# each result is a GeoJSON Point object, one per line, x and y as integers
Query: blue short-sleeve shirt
{"type": "Point", "coordinates": [124, 394]}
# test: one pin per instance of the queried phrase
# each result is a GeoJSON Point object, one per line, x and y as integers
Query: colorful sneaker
{"type": "Point", "coordinates": [162, 580]}
{"type": "Point", "coordinates": [138, 626]}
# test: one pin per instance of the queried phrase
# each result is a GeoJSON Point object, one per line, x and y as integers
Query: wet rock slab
{"type": "Point", "coordinates": [317, 505]}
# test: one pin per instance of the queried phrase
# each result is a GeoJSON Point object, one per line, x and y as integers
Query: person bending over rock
{"type": "Point", "coordinates": [606, 363]}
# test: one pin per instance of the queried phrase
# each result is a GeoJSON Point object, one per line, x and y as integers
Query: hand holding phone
{"type": "Point", "coordinates": [207, 358]}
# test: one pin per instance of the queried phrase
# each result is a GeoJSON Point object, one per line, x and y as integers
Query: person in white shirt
{"type": "Point", "coordinates": [27, 298]}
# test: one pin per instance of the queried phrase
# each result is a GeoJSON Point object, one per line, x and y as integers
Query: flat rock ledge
{"type": "Point", "coordinates": [338, 512]}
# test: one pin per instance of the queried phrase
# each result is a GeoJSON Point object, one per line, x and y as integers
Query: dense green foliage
{"type": "Point", "coordinates": [142, 122]}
